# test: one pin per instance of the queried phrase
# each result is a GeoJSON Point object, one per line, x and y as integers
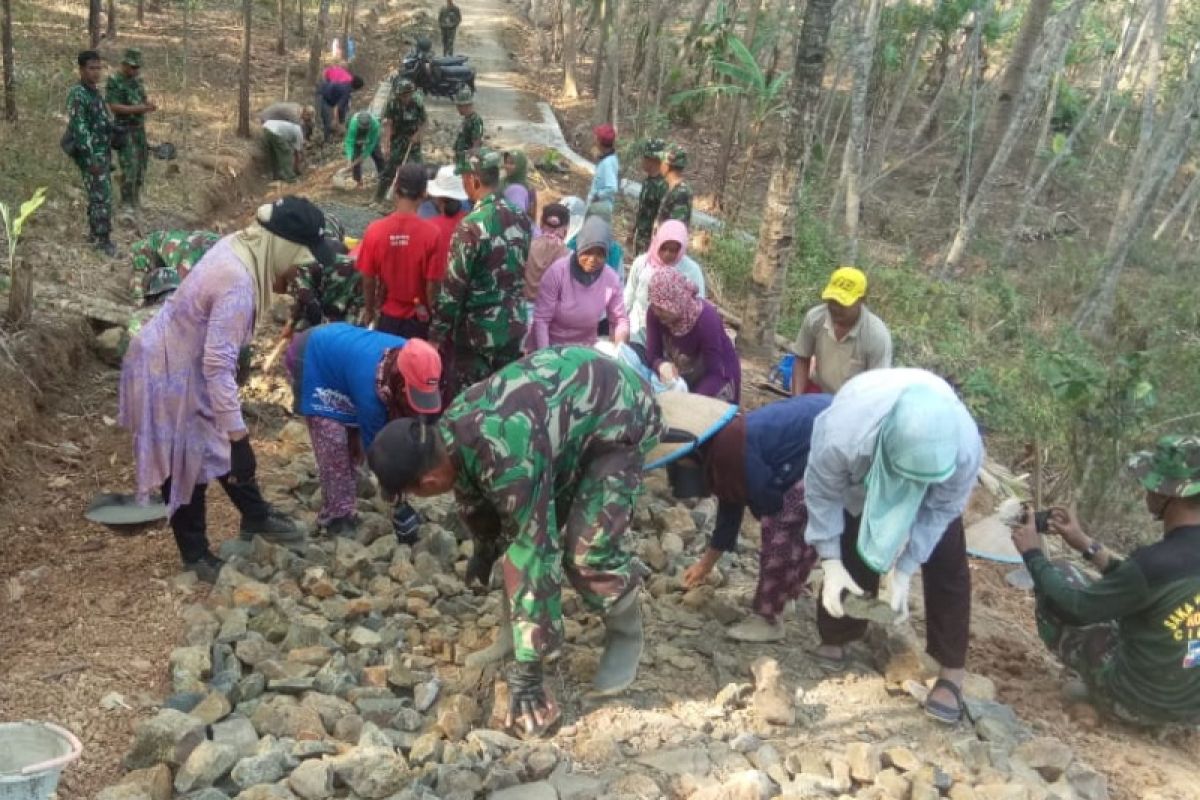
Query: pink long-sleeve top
{"type": "Point", "coordinates": [567, 312]}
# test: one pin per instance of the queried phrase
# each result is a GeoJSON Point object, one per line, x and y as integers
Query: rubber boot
{"type": "Point", "coordinates": [498, 650]}
{"type": "Point", "coordinates": [623, 640]}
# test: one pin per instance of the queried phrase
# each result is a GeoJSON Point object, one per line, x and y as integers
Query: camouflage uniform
{"type": "Point", "coordinates": [549, 453]}
{"type": "Point", "coordinates": [134, 156]}
{"type": "Point", "coordinates": [449, 18]}
{"type": "Point", "coordinates": [326, 294]}
{"type": "Point", "coordinates": [480, 316]}
{"type": "Point", "coordinates": [470, 133]}
{"type": "Point", "coordinates": [654, 188]}
{"type": "Point", "coordinates": [677, 202]}
{"type": "Point", "coordinates": [406, 121]}
{"type": "Point", "coordinates": [91, 128]}
{"type": "Point", "coordinates": [163, 259]}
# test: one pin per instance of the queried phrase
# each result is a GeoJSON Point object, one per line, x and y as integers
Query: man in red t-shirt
{"type": "Point", "coordinates": [400, 252]}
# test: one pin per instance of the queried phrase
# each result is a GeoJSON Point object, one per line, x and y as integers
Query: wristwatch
{"type": "Point", "coordinates": [1091, 550]}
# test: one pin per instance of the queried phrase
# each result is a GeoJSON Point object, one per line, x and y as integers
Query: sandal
{"type": "Point", "coordinates": [947, 715]}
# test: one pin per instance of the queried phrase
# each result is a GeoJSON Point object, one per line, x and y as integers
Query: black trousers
{"type": "Point", "coordinates": [946, 578]}
{"type": "Point", "coordinates": [411, 328]}
{"type": "Point", "coordinates": [189, 523]}
{"type": "Point", "coordinates": [377, 157]}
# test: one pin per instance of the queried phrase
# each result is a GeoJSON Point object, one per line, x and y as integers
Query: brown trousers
{"type": "Point", "coordinates": [947, 581]}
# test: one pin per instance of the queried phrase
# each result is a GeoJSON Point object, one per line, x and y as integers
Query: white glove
{"type": "Point", "coordinates": [898, 600]}
{"type": "Point", "coordinates": [836, 581]}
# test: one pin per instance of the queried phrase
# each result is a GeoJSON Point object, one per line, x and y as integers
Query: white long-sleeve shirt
{"type": "Point", "coordinates": [843, 446]}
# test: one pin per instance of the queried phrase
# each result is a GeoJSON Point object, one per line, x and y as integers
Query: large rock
{"type": "Point", "coordinates": [273, 791]}
{"type": "Point", "coordinates": [265, 768]}
{"type": "Point", "coordinates": [312, 780]}
{"type": "Point", "coordinates": [328, 707]}
{"type": "Point", "coordinates": [772, 701]}
{"type": "Point", "coordinates": [541, 790]}
{"type": "Point", "coordinates": [456, 716]}
{"type": "Point", "coordinates": [155, 740]}
{"type": "Point", "coordinates": [190, 666]}
{"type": "Point", "coordinates": [1050, 757]}
{"type": "Point", "coordinates": [213, 708]}
{"type": "Point", "coordinates": [238, 732]}
{"type": "Point", "coordinates": [864, 761]}
{"type": "Point", "coordinates": [372, 772]}
{"type": "Point", "coordinates": [1087, 782]}
{"type": "Point", "coordinates": [282, 716]}
{"type": "Point", "coordinates": [748, 785]}
{"type": "Point", "coordinates": [207, 764]}
{"type": "Point", "coordinates": [692, 761]}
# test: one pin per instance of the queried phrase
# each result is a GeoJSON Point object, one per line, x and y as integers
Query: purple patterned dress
{"type": "Point", "coordinates": [179, 396]}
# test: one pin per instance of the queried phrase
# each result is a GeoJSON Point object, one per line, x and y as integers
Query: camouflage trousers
{"type": "Point", "coordinates": [98, 189]}
{"type": "Point", "coordinates": [134, 158]}
{"type": "Point", "coordinates": [1087, 650]}
{"type": "Point", "coordinates": [583, 544]}
{"type": "Point", "coordinates": [395, 160]}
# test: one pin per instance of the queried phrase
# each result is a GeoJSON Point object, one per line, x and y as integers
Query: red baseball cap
{"type": "Point", "coordinates": [605, 134]}
{"type": "Point", "coordinates": [421, 367]}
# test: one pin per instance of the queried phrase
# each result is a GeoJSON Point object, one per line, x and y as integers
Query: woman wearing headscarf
{"type": "Point", "coordinates": [348, 382]}
{"type": "Point", "coordinates": [685, 338]}
{"type": "Point", "coordinates": [518, 195]}
{"type": "Point", "coordinates": [516, 173]}
{"type": "Point", "coordinates": [578, 292]}
{"type": "Point", "coordinates": [668, 251]}
{"type": "Point", "coordinates": [178, 389]}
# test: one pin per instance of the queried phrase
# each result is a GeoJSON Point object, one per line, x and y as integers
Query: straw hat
{"type": "Point", "coordinates": [693, 414]}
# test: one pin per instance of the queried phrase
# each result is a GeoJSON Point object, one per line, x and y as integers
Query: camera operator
{"type": "Point", "coordinates": [1133, 635]}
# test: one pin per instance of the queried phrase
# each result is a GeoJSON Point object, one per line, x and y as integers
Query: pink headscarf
{"type": "Point", "coordinates": [671, 291]}
{"type": "Point", "coordinates": [670, 231]}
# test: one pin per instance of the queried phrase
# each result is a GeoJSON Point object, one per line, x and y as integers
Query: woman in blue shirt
{"type": "Point", "coordinates": [604, 184]}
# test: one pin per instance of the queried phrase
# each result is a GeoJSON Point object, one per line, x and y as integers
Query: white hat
{"type": "Point", "coordinates": [447, 184]}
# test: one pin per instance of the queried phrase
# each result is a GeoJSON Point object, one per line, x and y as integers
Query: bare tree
{"type": "Point", "coordinates": [570, 87]}
{"type": "Point", "coordinates": [1185, 200]}
{"type": "Point", "coordinates": [733, 123]}
{"type": "Point", "coordinates": [95, 9]}
{"type": "Point", "coordinates": [1157, 20]}
{"type": "Point", "coordinates": [300, 19]}
{"type": "Point", "coordinates": [1032, 25]}
{"type": "Point", "coordinates": [320, 33]}
{"type": "Point", "coordinates": [6, 45]}
{"type": "Point", "coordinates": [111, 30]}
{"type": "Point", "coordinates": [852, 159]}
{"type": "Point", "coordinates": [776, 233]}
{"type": "Point", "coordinates": [243, 128]}
{"type": "Point", "coordinates": [908, 83]}
{"type": "Point", "coordinates": [606, 99]}
{"type": "Point", "coordinates": [281, 41]}
{"type": "Point", "coordinates": [141, 12]}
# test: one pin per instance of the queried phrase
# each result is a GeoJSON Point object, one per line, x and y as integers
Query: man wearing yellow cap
{"type": "Point", "coordinates": [842, 335]}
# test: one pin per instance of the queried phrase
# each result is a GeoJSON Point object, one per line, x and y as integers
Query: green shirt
{"type": "Point", "coordinates": [470, 134]}
{"type": "Point", "coordinates": [351, 145]}
{"type": "Point", "coordinates": [406, 119]}
{"type": "Point", "coordinates": [677, 204]}
{"type": "Point", "coordinates": [1154, 598]}
{"type": "Point", "coordinates": [90, 124]}
{"type": "Point", "coordinates": [126, 92]}
{"type": "Point", "coordinates": [449, 17]}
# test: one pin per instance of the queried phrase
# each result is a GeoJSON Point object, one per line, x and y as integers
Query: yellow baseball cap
{"type": "Point", "coordinates": [846, 286]}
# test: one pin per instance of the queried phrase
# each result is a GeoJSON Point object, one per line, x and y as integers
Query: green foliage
{"type": "Point", "coordinates": [741, 75]}
{"type": "Point", "coordinates": [14, 225]}
{"type": "Point", "coordinates": [1068, 108]}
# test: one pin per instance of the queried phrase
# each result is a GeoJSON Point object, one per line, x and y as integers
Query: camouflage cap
{"type": "Point", "coordinates": [404, 86]}
{"type": "Point", "coordinates": [654, 148]}
{"type": "Point", "coordinates": [132, 57]}
{"type": "Point", "coordinates": [1172, 468]}
{"type": "Point", "coordinates": [484, 158]}
{"type": "Point", "coordinates": [464, 96]}
{"type": "Point", "coordinates": [675, 156]}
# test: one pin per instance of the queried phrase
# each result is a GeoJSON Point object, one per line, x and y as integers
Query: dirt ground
{"type": "Point", "coordinates": [85, 613]}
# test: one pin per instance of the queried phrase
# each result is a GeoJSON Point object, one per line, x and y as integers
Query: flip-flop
{"type": "Point", "coordinates": [947, 715]}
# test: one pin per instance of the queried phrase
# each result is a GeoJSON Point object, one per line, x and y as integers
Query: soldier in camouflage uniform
{"type": "Point", "coordinates": [163, 259]}
{"type": "Point", "coordinates": [449, 18]}
{"type": "Point", "coordinates": [470, 133]}
{"type": "Point", "coordinates": [1133, 635]}
{"type": "Point", "coordinates": [88, 141]}
{"type": "Point", "coordinates": [545, 459]}
{"type": "Point", "coordinates": [126, 97]}
{"type": "Point", "coordinates": [677, 202]}
{"type": "Point", "coordinates": [403, 122]}
{"type": "Point", "coordinates": [326, 294]}
{"type": "Point", "coordinates": [654, 188]}
{"type": "Point", "coordinates": [479, 315]}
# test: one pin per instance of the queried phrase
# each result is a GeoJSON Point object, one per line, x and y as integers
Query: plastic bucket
{"type": "Point", "coordinates": [32, 757]}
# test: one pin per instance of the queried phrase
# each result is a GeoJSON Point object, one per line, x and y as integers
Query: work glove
{"type": "Point", "coordinates": [526, 695]}
{"type": "Point", "coordinates": [837, 580]}
{"type": "Point", "coordinates": [898, 600]}
{"type": "Point", "coordinates": [242, 464]}
{"type": "Point", "coordinates": [405, 523]}
{"type": "Point", "coordinates": [480, 564]}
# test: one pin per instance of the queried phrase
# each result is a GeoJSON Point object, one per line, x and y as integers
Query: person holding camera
{"type": "Point", "coordinates": [1133, 635]}
{"type": "Point", "coordinates": [891, 468]}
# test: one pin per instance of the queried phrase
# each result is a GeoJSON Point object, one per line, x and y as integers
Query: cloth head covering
{"type": "Point", "coordinates": [518, 195]}
{"type": "Point", "coordinates": [555, 220]}
{"type": "Point", "coordinates": [266, 256]}
{"type": "Point", "coordinates": [670, 231]}
{"type": "Point", "coordinates": [605, 134]}
{"type": "Point", "coordinates": [520, 168]}
{"type": "Point", "coordinates": [671, 291]}
{"type": "Point", "coordinates": [917, 447]}
{"type": "Point", "coordinates": [595, 233]}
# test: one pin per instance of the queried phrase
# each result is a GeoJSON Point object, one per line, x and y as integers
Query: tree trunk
{"type": "Point", "coordinates": [20, 294]}
{"type": "Point", "coordinates": [141, 12]}
{"type": "Point", "coordinates": [776, 233]}
{"type": "Point", "coordinates": [300, 20]}
{"type": "Point", "coordinates": [609, 46]}
{"type": "Point", "coordinates": [281, 41]}
{"type": "Point", "coordinates": [570, 87]}
{"type": "Point", "coordinates": [1010, 90]}
{"type": "Point", "coordinates": [906, 87]}
{"type": "Point", "coordinates": [320, 33]}
{"type": "Point", "coordinates": [111, 27]}
{"type": "Point", "coordinates": [1050, 61]}
{"type": "Point", "coordinates": [1185, 200]}
{"type": "Point", "coordinates": [6, 46]}
{"type": "Point", "coordinates": [1158, 27]}
{"type": "Point", "coordinates": [94, 11]}
{"type": "Point", "coordinates": [852, 158]}
{"type": "Point", "coordinates": [650, 72]}
{"type": "Point", "coordinates": [243, 128]}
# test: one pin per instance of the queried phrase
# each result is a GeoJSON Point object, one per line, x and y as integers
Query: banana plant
{"type": "Point", "coordinates": [21, 296]}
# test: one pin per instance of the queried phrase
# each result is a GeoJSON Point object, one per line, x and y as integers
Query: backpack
{"type": "Point", "coordinates": [68, 143]}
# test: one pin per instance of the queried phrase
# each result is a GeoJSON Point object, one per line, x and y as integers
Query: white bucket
{"type": "Point", "coordinates": [32, 757]}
